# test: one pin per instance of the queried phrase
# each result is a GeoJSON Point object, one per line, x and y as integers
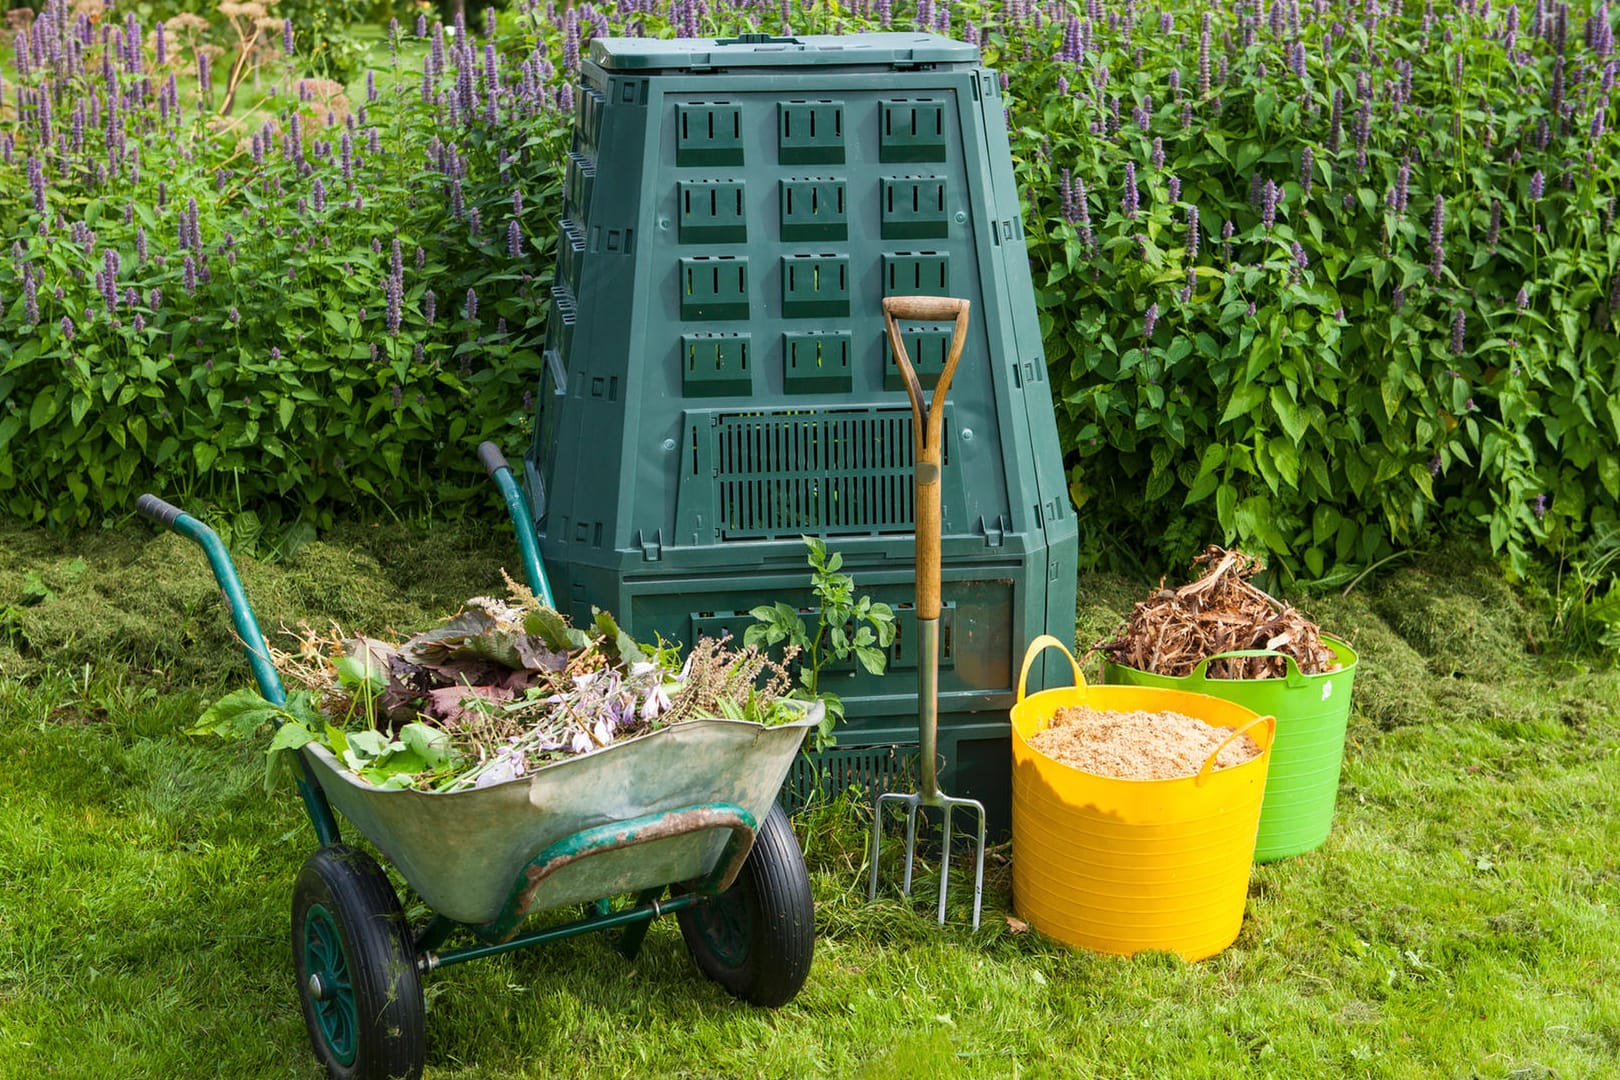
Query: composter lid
{"type": "Point", "coordinates": [765, 51]}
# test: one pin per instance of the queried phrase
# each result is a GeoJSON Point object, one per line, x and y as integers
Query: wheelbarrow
{"type": "Point", "coordinates": [682, 820]}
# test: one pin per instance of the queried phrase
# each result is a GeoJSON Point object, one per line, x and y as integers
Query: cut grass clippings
{"type": "Point", "coordinates": [1460, 920]}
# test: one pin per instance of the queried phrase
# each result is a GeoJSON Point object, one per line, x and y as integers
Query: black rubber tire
{"type": "Point", "coordinates": [757, 938]}
{"type": "Point", "coordinates": [348, 927]}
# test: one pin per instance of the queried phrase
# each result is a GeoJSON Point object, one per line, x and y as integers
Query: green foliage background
{"type": "Point", "coordinates": [1315, 383]}
{"type": "Point", "coordinates": [1321, 401]}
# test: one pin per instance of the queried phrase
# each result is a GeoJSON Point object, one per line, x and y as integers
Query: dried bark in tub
{"type": "Point", "coordinates": [1222, 611]}
{"type": "Point", "coordinates": [1138, 745]}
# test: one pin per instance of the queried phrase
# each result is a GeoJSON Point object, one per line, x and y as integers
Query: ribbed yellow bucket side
{"type": "Point", "coordinates": [1122, 866]}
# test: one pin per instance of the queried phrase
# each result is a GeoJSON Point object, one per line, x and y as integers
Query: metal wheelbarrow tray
{"type": "Point", "coordinates": [681, 820]}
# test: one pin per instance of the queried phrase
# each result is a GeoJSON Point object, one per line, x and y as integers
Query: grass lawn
{"type": "Point", "coordinates": [1460, 921]}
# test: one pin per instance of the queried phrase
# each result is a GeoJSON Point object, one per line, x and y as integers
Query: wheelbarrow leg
{"type": "Point", "coordinates": [630, 939]}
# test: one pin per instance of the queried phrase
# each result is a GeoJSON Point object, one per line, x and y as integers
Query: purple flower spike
{"type": "Point", "coordinates": [1437, 233]}
{"type": "Point", "coordinates": [1538, 184]}
{"type": "Point", "coordinates": [1522, 300]}
{"type": "Point", "coordinates": [1434, 465]}
{"type": "Point", "coordinates": [1192, 233]}
{"type": "Point", "coordinates": [1150, 319]}
{"type": "Point", "coordinates": [429, 306]}
{"type": "Point", "coordinates": [1458, 325]}
{"type": "Point", "coordinates": [1538, 506]}
{"type": "Point", "coordinates": [287, 36]}
{"type": "Point", "coordinates": [514, 239]}
{"type": "Point", "coordinates": [1307, 166]}
{"type": "Point", "coordinates": [1175, 188]}
{"type": "Point", "coordinates": [472, 304]}
{"type": "Point", "coordinates": [1129, 203]}
{"type": "Point", "coordinates": [395, 301]}
{"type": "Point", "coordinates": [1268, 205]}
{"type": "Point", "coordinates": [67, 328]}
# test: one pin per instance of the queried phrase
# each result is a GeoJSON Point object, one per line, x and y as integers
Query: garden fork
{"type": "Point", "coordinates": [927, 434]}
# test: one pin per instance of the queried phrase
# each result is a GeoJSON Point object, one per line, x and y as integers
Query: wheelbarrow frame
{"type": "Point", "coordinates": [348, 927]}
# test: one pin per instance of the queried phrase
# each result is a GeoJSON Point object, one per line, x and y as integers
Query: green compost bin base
{"type": "Point", "coordinates": [975, 763]}
{"type": "Point", "coordinates": [1312, 713]}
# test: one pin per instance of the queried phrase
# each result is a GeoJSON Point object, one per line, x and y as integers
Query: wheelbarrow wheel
{"type": "Point", "coordinates": [757, 938]}
{"type": "Point", "coordinates": [357, 976]}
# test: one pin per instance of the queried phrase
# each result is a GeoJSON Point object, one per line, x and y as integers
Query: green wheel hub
{"type": "Point", "coordinates": [723, 921]}
{"type": "Point", "coordinates": [329, 987]}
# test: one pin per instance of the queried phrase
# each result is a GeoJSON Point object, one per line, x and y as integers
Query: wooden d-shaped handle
{"type": "Point", "coordinates": [927, 428]}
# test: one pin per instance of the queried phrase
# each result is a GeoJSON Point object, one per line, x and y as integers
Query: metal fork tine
{"type": "Point", "coordinates": [945, 860]}
{"type": "Point", "coordinates": [911, 844]}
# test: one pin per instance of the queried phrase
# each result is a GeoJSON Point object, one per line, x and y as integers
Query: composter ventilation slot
{"type": "Point", "coordinates": [779, 474]}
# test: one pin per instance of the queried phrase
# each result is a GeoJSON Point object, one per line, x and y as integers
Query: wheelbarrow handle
{"type": "Point", "coordinates": [491, 458]}
{"type": "Point", "coordinates": [517, 508]}
{"type": "Point", "coordinates": [160, 511]}
{"type": "Point", "coordinates": [247, 631]}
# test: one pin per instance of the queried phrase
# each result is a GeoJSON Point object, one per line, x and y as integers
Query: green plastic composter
{"type": "Point", "coordinates": [718, 381]}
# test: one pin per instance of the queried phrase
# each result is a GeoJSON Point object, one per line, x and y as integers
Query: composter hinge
{"type": "Point", "coordinates": [651, 549]}
{"type": "Point", "coordinates": [993, 534]}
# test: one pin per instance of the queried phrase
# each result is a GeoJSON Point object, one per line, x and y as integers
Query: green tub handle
{"type": "Point", "coordinates": [1293, 677]}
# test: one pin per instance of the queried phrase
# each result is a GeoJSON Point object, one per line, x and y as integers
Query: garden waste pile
{"type": "Point", "coordinates": [1222, 611]}
{"type": "Point", "coordinates": [499, 689]}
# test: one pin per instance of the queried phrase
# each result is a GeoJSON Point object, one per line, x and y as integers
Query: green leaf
{"type": "Point", "coordinates": [281, 756]}
{"type": "Point", "coordinates": [1226, 498]}
{"type": "Point", "coordinates": [42, 410]}
{"type": "Point", "coordinates": [361, 672]}
{"type": "Point", "coordinates": [873, 660]}
{"type": "Point", "coordinates": [236, 715]}
{"type": "Point", "coordinates": [1243, 401]}
{"type": "Point", "coordinates": [1294, 419]}
{"type": "Point", "coordinates": [430, 744]}
{"type": "Point", "coordinates": [1608, 468]}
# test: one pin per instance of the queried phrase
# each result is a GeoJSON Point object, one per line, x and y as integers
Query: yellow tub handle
{"type": "Point", "coordinates": [1036, 647]}
{"type": "Point", "coordinates": [1209, 762]}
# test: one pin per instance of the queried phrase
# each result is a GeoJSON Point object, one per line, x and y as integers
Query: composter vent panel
{"type": "Point", "coordinates": [781, 473]}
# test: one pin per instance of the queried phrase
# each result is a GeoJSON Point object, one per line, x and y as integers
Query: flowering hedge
{"type": "Point", "coordinates": [325, 305]}
{"type": "Point", "coordinates": [1313, 277]}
